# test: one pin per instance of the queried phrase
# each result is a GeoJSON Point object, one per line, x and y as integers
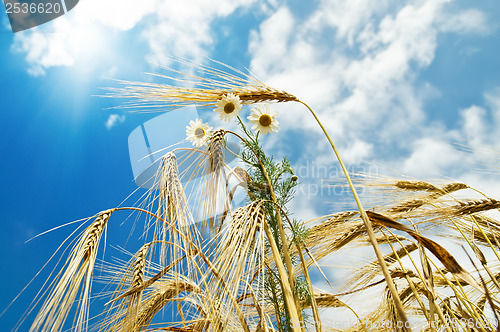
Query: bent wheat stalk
{"type": "Point", "coordinates": [369, 229]}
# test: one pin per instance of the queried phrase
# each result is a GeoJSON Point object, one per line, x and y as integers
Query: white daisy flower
{"type": "Point", "coordinates": [264, 119]}
{"type": "Point", "coordinates": [228, 107]}
{"type": "Point", "coordinates": [197, 132]}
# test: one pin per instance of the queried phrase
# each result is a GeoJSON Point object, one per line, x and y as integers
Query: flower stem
{"type": "Point", "coordinates": [369, 228]}
{"type": "Point", "coordinates": [295, 310]}
{"type": "Point", "coordinates": [284, 242]}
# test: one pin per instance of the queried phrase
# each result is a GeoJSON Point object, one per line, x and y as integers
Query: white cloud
{"type": "Point", "coordinates": [70, 38]}
{"type": "Point", "coordinates": [271, 49]}
{"type": "Point", "coordinates": [480, 130]}
{"type": "Point", "coordinates": [430, 157]}
{"type": "Point", "coordinates": [481, 125]}
{"type": "Point", "coordinates": [474, 126]}
{"type": "Point", "coordinates": [184, 29]}
{"type": "Point", "coordinates": [492, 98]}
{"type": "Point", "coordinates": [362, 82]}
{"type": "Point", "coordinates": [347, 17]}
{"type": "Point", "coordinates": [466, 21]}
{"type": "Point", "coordinates": [168, 27]}
{"type": "Point", "coordinates": [119, 14]}
{"type": "Point", "coordinates": [113, 120]}
{"type": "Point", "coordinates": [44, 50]}
{"type": "Point", "coordinates": [357, 151]}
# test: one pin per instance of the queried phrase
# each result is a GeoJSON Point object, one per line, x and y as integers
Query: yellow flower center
{"type": "Point", "coordinates": [265, 120]}
{"type": "Point", "coordinates": [199, 132]}
{"type": "Point", "coordinates": [229, 108]}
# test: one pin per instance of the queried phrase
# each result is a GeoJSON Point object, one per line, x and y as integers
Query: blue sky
{"type": "Point", "coordinates": [400, 86]}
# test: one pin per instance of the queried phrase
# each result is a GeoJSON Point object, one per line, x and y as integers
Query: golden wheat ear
{"type": "Point", "coordinates": [76, 274]}
{"type": "Point", "coordinates": [433, 191]}
{"type": "Point", "coordinates": [170, 203]}
{"type": "Point", "coordinates": [213, 198]}
{"type": "Point", "coordinates": [202, 89]}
